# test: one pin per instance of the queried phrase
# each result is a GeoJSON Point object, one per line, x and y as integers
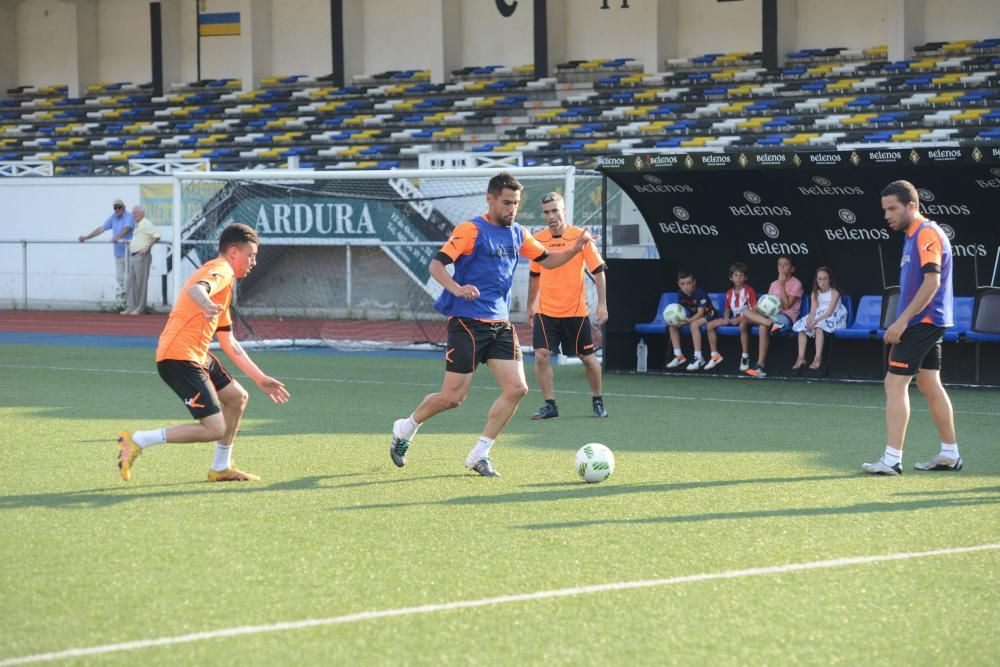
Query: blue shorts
{"type": "Point", "coordinates": [784, 320]}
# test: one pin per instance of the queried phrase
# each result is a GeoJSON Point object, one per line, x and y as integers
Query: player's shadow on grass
{"type": "Point", "coordinates": [570, 491]}
{"type": "Point", "coordinates": [111, 496]}
{"type": "Point", "coordinates": [859, 508]}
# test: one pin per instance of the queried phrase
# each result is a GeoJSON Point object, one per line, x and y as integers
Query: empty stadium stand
{"type": "Point", "coordinates": [947, 92]}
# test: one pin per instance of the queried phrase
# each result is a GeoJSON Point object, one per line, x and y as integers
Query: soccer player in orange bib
{"type": "Point", "coordinates": [209, 392]}
{"type": "Point", "coordinates": [561, 319]}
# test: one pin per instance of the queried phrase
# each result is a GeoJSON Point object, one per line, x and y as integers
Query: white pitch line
{"type": "Point", "coordinates": [485, 602]}
{"type": "Point", "coordinates": [656, 397]}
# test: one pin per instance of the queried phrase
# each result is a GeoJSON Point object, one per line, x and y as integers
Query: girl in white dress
{"type": "Point", "coordinates": [826, 315]}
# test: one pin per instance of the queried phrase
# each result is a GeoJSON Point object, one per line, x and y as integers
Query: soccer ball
{"type": "Point", "coordinates": [674, 314]}
{"type": "Point", "coordinates": [594, 463]}
{"type": "Point", "coordinates": [768, 305]}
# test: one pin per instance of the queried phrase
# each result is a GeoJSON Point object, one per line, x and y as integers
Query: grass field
{"type": "Point", "coordinates": [715, 479]}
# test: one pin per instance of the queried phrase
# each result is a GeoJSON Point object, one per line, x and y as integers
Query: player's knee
{"type": "Point", "coordinates": [542, 355]}
{"type": "Point", "coordinates": [452, 400]}
{"type": "Point", "coordinates": [517, 391]}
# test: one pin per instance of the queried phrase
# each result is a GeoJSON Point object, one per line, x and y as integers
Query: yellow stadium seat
{"type": "Point", "coordinates": [695, 142]}
{"type": "Point", "coordinates": [837, 102]}
{"type": "Point", "coordinates": [735, 107]}
{"type": "Point", "coordinates": [753, 123]}
{"type": "Point", "coordinates": [970, 114]}
{"type": "Point", "coordinates": [959, 45]}
{"type": "Point", "coordinates": [858, 119]}
{"type": "Point", "coordinates": [800, 139]}
{"type": "Point", "coordinates": [944, 98]}
{"type": "Point", "coordinates": [357, 120]}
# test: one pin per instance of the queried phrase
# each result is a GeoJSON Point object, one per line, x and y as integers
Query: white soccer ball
{"type": "Point", "coordinates": [594, 463]}
{"type": "Point", "coordinates": [768, 305]}
{"type": "Point", "coordinates": [674, 314]}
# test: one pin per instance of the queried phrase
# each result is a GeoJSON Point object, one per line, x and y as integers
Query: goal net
{"type": "Point", "coordinates": [344, 256]}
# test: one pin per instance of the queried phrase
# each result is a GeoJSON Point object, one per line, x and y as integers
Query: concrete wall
{"type": "Point", "coordinates": [491, 39]}
{"type": "Point", "coordinates": [73, 273]}
{"type": "Point", "coordinates": [711, 27]}
{"type": "Point", "coordinates": [300, 37]}
{"type": "Point", "coordinates": [854, 24]}
{"type": "Point", "coordinates": [112, 36]}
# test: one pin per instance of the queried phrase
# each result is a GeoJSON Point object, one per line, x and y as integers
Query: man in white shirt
{"type": "Point", "coordinates": [140, 250]}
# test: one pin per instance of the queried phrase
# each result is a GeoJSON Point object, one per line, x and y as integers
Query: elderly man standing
{"type": "Point", "coordinates": [121, 225]}
{"type": "Point", "coordinates": [140, 258]}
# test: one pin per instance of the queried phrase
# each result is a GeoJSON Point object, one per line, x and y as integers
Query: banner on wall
{"type": "Point", "coordinates": [708, 210]}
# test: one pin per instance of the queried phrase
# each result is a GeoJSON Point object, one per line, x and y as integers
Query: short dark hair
{"type": "Point", "coordinates": [739, 266]}
{"type": "Point", "coordinates": [684, 273]}
{"type": "Point", "coordinates": [237, 234]}
{"type": "Point", "coordinates": [503, 181]}
{"type": "Point", "coordinates": [790, 260]}
{"type": "Point", "coordinates": [904, 191]}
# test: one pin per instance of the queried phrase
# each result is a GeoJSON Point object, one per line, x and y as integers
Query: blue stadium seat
{"type": "Point", "coordinates": [866, 323]}
{"type": "Point", "coordinates": [963, 318]}
{"type": "Point", "coordinates": [658, 326]}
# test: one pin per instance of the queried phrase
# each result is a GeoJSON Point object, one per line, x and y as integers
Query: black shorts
{"type": "Point", "coordinates": [918, 348]}
{"type": "Point", "coordinates": [572, 334]}
{"type": "Point", "coordinates": [472, 342]}
{"type": "Point", "coordinates": [196, 385]}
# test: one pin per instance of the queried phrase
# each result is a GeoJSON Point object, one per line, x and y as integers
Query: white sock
{"type": "Point", "coordinates": [951, 451]}
{"type": "Point", "coordinates": [697, 354]}
{"type": "Point", "coordinates": [223, 457]}
{"type": "Point", "coordinates": [892, 456]}
{"type": "Point", "coordinates": [149, 438]}
{"type": "Point", "coordinates": [677, 352]}
{"type": "Point", "coordinates": [745, 355]}
{"type": "Point", "coordinates": [480, 451]}
{"type": "Point", "coordinates": [405, 429]}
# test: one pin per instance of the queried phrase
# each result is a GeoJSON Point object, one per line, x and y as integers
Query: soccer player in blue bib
{"type": "Point", "coordinates": [925, 311]}
{"type": "Point", "coordinates": [485, 252]}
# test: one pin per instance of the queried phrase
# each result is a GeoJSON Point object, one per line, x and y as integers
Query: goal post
{"type": "Point", "coordinates": [341, 246]}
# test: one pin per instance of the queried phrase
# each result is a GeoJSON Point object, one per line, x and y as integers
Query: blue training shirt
{"type": "Point", "coordinates": [485, 255]}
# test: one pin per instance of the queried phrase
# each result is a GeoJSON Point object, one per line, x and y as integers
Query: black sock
{"type": "Point", "coordinates": [551, 401]}
{"type": "Point", "coordinates": [598, 398]}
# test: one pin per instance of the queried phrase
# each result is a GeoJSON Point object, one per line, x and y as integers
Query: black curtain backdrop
{"type": "Point", "coordinates": [708, 210]}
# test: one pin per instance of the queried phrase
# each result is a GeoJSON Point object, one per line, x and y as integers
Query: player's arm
{"type": "Point", "coordinates": [601, 283]}
{"type": "Point", "coordinates": [930, 264]}
{"type": "Point", "coordinates": [533, 281]}
{"type": "Point", "coordinates": [199, 293]}
{"type": "Point", "coordinates": [553, 260]}
{"type": "Point", "coordinates": [274, 389]}
{"type": "Point", "coordinates": [440, 273]}
{"type": "Point", "coordinates": [461, 242]}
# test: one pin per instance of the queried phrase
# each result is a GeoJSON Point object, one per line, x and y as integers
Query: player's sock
{"type": "Point", "coordinates": [407, 429]}
{"type": "Point", "coordinates": [598, 398]}
{"type": "Point", "coordinates": [744, 356]}
{"type": "Point", "coordinates": [951, 451]}
{"type": "Point", "coordinates": [223, 457]}
{"type": "Point", "coordinates": [149, 438]}
{"type": "Point", "coordinates": [551, 401]}
{"type": "Point", "coordinates": [480, 451]}
{"type": "Point", "coordinates": [697, 354]}
{"type": "Point", "coordinates": [677, 351]}
{"type": "Point", "coordinates": [892, 456]}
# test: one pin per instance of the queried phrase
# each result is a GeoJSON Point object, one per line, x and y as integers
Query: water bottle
{"type": "Point", "coordinates": [640, 355]}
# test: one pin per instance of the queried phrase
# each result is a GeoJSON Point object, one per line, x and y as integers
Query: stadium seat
{"type": "Point", "coordinates": [963, 309]}
{"type": "Point", "coordinates": [866, 323]}
{"type": "Point", "coordinates": [658, 326]}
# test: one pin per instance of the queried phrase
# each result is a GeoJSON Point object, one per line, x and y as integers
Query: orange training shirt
{"type": "Point", "coordinates": [561, 290]}
{"type": "Point", "coordinates": [188, 334]}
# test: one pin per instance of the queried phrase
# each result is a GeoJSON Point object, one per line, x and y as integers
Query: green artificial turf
{"type": "Point", "coordinates": [713, 475]}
